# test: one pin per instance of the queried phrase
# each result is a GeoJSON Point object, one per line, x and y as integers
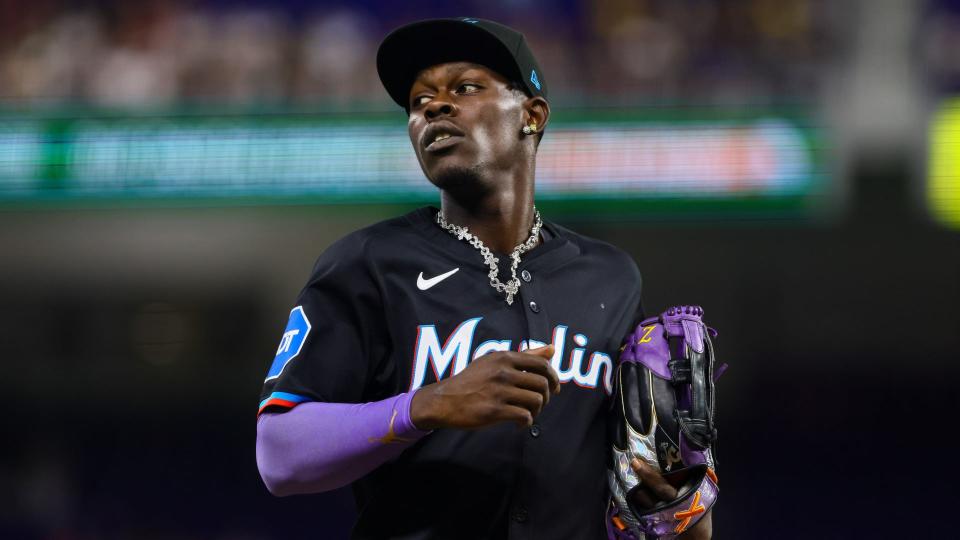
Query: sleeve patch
{"type": "Point", "coordinates": [298, 327]}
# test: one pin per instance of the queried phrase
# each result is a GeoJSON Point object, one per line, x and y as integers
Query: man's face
{"type": "Point", "coordinates": [465, 120]}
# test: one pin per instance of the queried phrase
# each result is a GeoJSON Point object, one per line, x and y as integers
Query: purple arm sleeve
{"type": "Point", "coordinates": [317, 446]}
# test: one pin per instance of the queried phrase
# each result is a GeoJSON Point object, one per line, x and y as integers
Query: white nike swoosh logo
{"type": "Point", "coordinates": [424, 284]}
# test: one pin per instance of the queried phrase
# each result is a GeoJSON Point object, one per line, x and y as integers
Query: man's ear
{"type": "Point", "coordinates": [537, 110]}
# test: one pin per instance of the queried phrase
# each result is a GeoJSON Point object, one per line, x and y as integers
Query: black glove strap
{"type": "Point", "coordinates": [695, 372]}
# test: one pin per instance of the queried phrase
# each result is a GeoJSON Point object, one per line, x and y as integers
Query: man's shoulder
{"type": "Point", "coordinates": [601, 251]}
{"type": "Point", "coordinates": [365, 245]}
{"type": "Point", "coordinates": [400, 228]}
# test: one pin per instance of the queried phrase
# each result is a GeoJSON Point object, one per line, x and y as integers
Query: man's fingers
{"type": "Point", "coordinates": [664, 491]}
{"type": "Point", "coordinates": [643, 499]}
{"type": "Point", "coordinates": [538, 363]}
{"type": "Point", "coordinates": [517, 415]}
{"type": "Point", "coordinates": [531, 401]}
{"type": "Point", "coordinates": [544, 352]}
{"type": "Point", "coordinates": [654, 481]}
{"type": "Point", "coordinates": [532, 381]}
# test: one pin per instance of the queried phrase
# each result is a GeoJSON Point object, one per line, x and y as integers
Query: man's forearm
{"type": "Point", "coordinates": [317, 447]}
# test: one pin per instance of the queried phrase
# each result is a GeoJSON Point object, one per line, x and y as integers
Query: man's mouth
{"type": "Point", "coordinates": [441, 141]}
{"type": "Point", "coordinates": [441, 136]}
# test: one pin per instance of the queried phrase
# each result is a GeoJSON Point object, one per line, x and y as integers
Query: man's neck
{"type": "Point", "coordinates": [501, 220]}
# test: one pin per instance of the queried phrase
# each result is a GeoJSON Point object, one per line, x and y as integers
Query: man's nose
{"type": "Point", "coordinates": [440, 107]}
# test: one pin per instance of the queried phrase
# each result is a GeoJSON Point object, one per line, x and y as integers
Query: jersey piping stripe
{"type": "Point", "coordinates": [282, 399]}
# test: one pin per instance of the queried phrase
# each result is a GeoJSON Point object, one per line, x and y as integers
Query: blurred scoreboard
{"type": "Point", "coordinates": [634, 160]}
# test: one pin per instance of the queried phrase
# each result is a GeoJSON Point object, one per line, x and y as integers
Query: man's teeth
{"type": "Point", "coordinates": [441, 137]}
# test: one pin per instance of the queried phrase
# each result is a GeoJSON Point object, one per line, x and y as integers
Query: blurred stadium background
{"type": "Point", "coordinates": [169, 171]}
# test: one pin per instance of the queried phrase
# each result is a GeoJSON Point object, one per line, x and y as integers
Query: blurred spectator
{"type": "Point", "coordinates": [940, 41]}
{"type": "Point", "coordinates": [337, 52]}
{"type": "Point", "coordinates": [139, 54]}
{"type": "Point", "coordinates": [252, 54]}
{"type": "Point", "coordinates": [53, 62]}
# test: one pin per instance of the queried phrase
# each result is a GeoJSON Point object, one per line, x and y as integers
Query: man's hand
{"type": "Point", "coordinates": [497, 387]}
{"type": "Point", "coordinates": [654, 489]}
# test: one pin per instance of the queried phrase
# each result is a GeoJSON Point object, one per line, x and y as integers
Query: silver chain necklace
{"type": "Point", "coordinates": [513, 286]}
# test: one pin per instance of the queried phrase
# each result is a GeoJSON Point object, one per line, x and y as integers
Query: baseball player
{"type": "Point", "coordinates": [455, 365]}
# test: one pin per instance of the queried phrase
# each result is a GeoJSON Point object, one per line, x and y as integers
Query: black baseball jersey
{"type": "Point", "coordinates": [403, 303]}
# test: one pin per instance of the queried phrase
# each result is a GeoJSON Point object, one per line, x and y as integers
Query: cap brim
{"type": "Point", "coordinates": [408, 50]}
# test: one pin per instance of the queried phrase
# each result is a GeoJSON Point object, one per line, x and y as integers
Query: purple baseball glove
{"type": "Point", "coordinates": [663, 414]}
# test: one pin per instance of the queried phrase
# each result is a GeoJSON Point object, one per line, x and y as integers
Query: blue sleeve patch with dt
{"type": "Point", "coordinates": [298, 327]}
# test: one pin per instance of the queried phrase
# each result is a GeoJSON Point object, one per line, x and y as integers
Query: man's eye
{"type": "Point", "coordinates": [468, 88]}
{"type": "Point", "coordinates": [420, 100]}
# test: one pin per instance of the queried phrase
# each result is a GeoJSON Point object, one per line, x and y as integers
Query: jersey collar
{"type": "Point", "coordinates": [553, 252]}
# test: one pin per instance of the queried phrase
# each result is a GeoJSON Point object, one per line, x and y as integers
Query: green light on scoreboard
{"type": "Point", "coordinates": [943, 186]}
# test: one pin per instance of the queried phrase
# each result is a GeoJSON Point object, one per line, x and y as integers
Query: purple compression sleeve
{"type": "Point", "coordinates": [317, 446]}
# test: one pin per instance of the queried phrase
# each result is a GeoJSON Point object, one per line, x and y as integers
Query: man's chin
{"type": "Point", "coordinates": [459, 180]}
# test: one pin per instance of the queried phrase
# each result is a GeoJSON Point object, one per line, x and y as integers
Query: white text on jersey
{"type": "Point", "coordinates": [286, 340]}
{"type": "Point", "coordinates": [457, 351]}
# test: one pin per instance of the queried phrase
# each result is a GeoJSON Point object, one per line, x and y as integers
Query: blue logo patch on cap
{"type": "Point", "coordinates": [534, 79]}
{"type": "Point", "coordinates": [469, 20]}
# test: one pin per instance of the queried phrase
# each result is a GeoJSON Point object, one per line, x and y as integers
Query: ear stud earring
{"type": "Point", "coordinates": [531, 129]}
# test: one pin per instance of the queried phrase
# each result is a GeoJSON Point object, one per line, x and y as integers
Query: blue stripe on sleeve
{"type": "Point", "coordinates": [293, 398]}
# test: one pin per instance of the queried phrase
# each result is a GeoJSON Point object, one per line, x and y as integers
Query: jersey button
{"type": "Point", "coordinates": [525, 275]}
{"type": "Point", "coordinates": [534, 307]}
{"type": "Point", "coordinates": [535, 430]}
{"type": "Point", "coordinates": [520, 515]}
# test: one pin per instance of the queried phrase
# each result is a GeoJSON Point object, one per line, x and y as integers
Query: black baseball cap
{"type": "Point", "coordinates": [411, 48]}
